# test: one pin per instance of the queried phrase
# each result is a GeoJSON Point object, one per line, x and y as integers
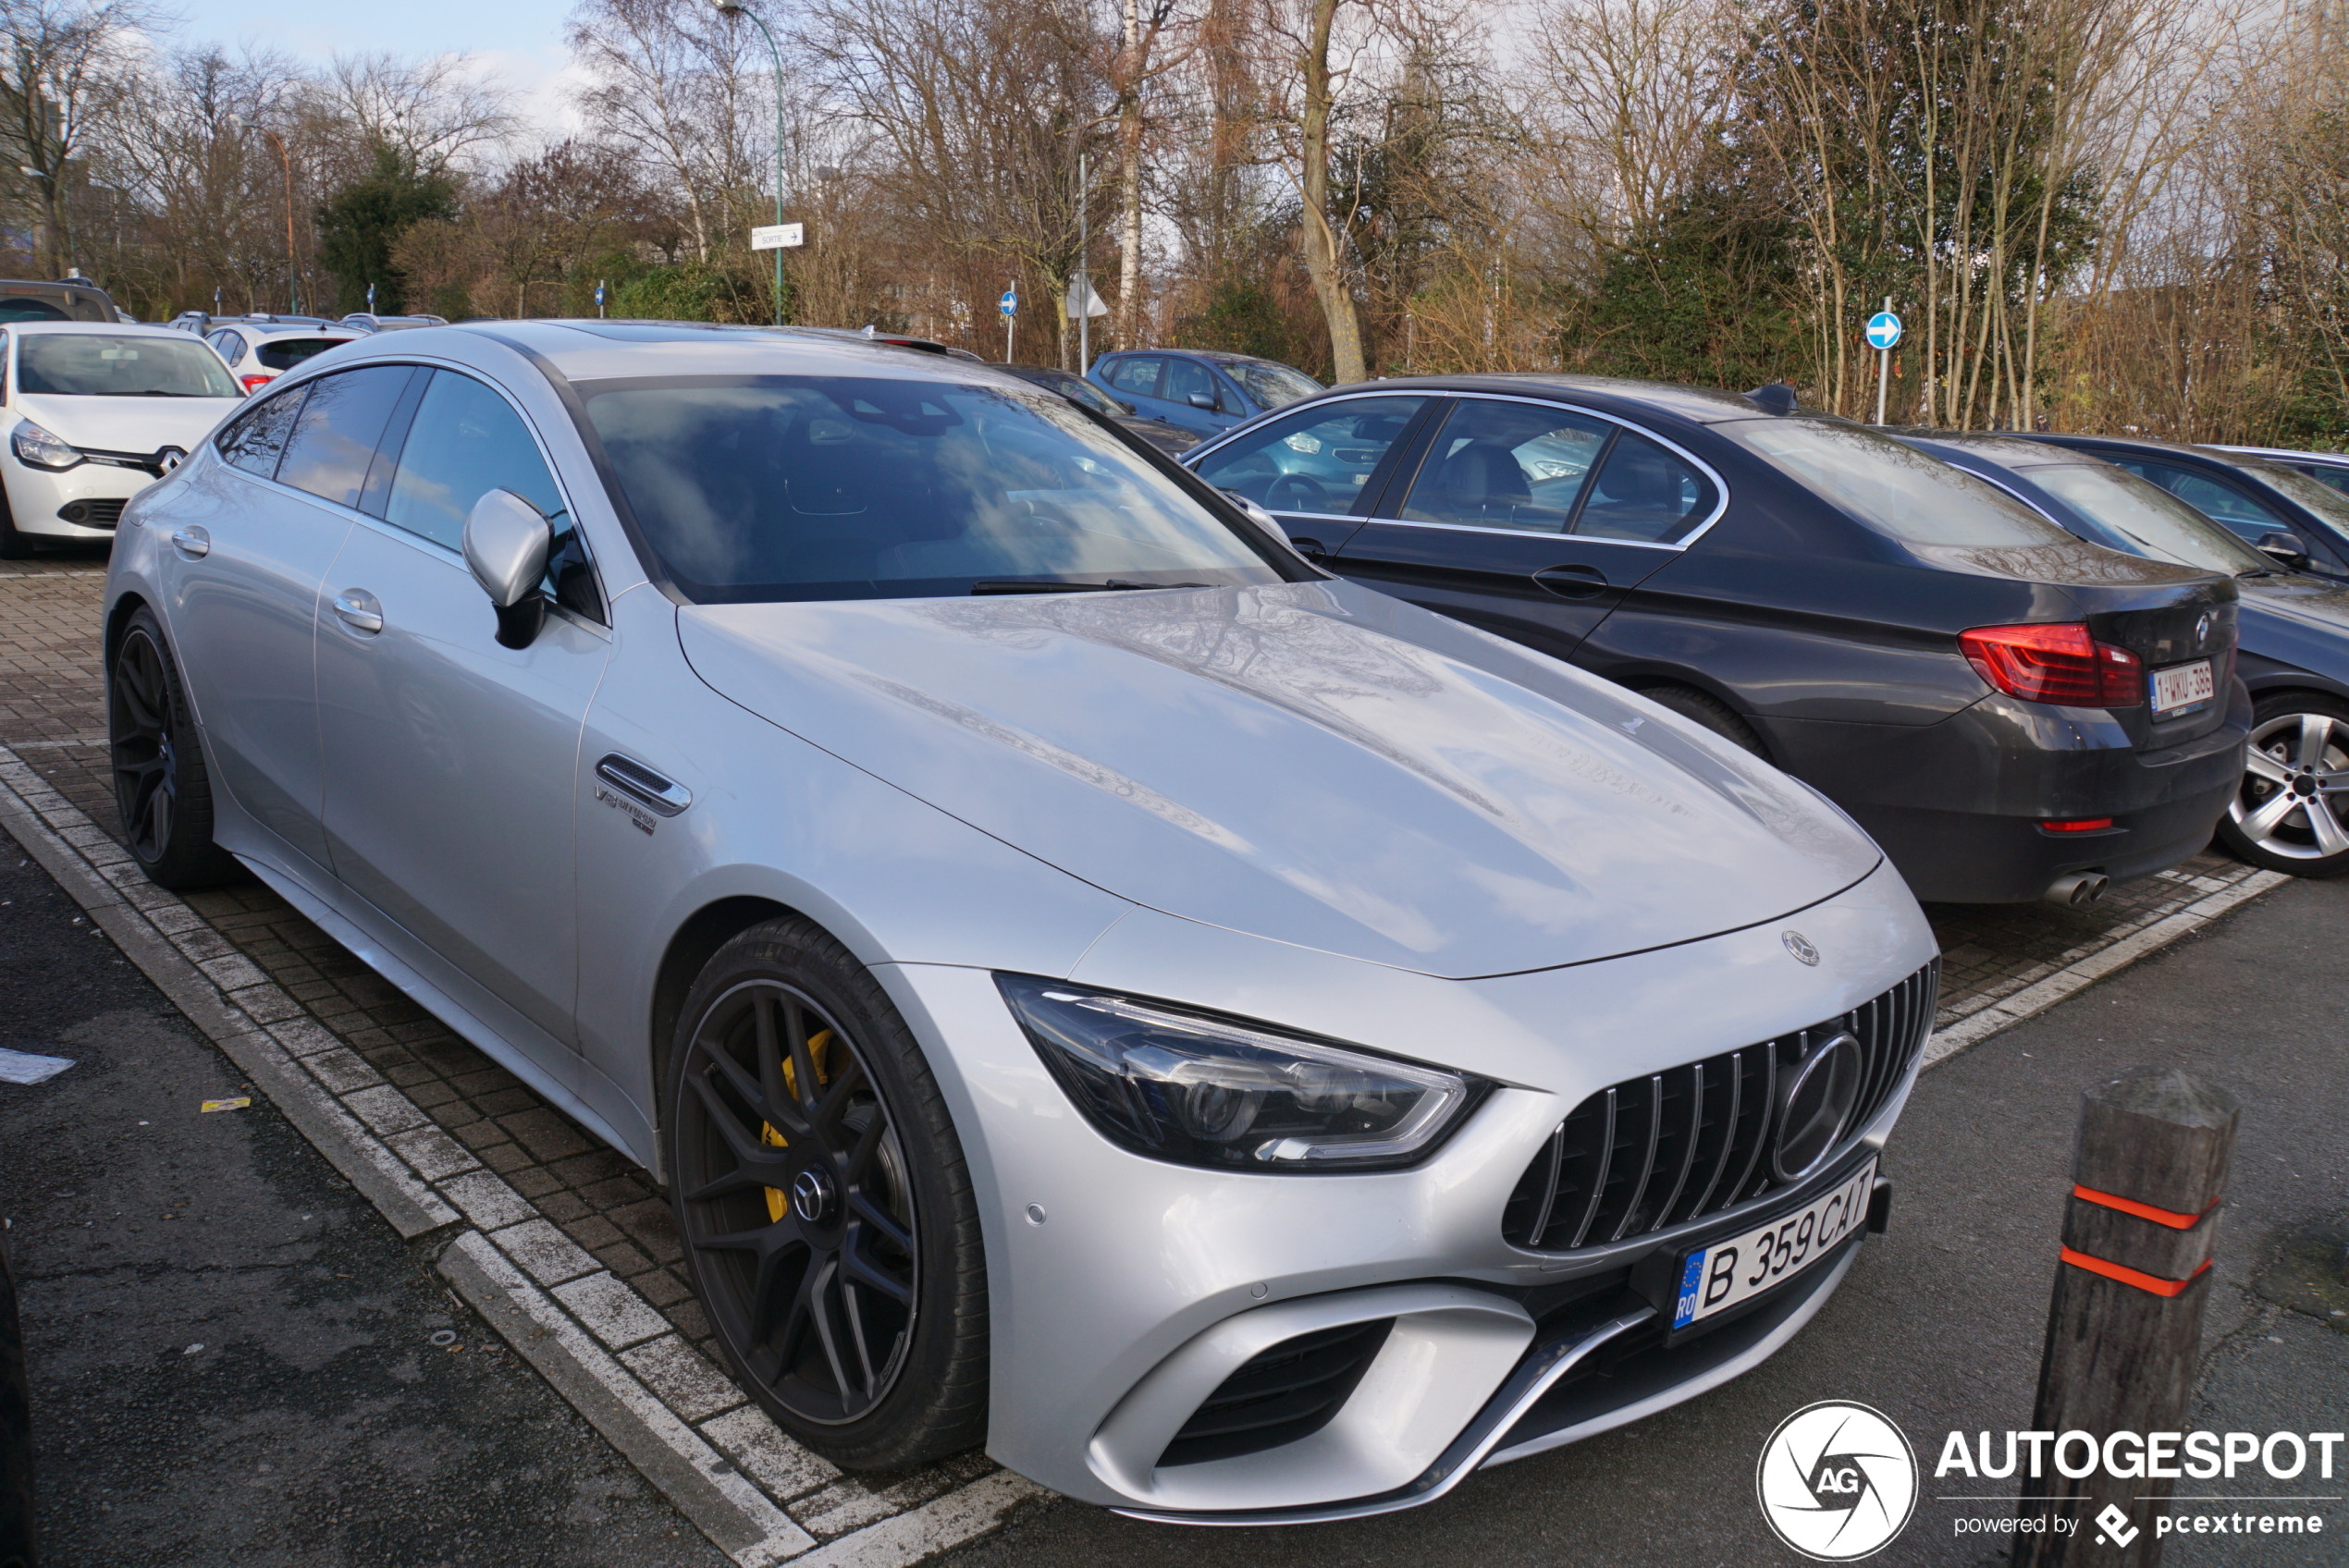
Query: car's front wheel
{"type": "Point", "coordinates": [2292, 813]}
{"type": "Point", "coordinates": [160, 783]}
{"type": "Point", "coordinates": [821, 1196]}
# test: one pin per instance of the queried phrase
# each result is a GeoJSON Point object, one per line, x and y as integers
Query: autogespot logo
{"type": "Point", "coordinates": [1837, 1481]}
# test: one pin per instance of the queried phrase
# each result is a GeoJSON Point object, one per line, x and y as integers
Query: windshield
{"type": "Point", "coordinates": [1275, 386]}
{"type": "Point", "coordinates": [2328, 504]}
{"type": "Point", "coordinates": [2139, 518]}
{"type": "Point", "coordinates": [775, 487]}
{"type": "Point", "coordinates": [1892, 486]}
{"type": "Point", "coordinates": [94, 365]}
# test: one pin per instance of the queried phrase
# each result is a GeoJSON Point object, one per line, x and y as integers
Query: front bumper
{"type": "Point", "coordinates": [84, 502]}
{"type": "Point", "coordinates": [1957, 806]}
{"type": "Point", "coordinates": [1120, 1288]}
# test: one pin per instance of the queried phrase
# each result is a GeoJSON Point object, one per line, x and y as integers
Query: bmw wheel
{"type": "Point", "coordinates": [160, 784]}
{"type": "Point", "coordinates": [2292, 813]}
{"type": "Point", "coordinates": [825, 1210]}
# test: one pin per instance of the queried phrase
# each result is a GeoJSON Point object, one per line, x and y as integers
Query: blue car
{"type": "Point", "coordinates": [1200, 389]}
{"type": "Point", "coordinates": [2292, 812]}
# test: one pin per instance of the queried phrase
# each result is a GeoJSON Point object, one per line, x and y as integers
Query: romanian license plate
{"type": "Point", "coordinates": [1730, 1273]}
{"type": "Point", "coordinates": [2182, 686]}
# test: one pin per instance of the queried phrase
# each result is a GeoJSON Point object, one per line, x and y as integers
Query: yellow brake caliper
{"type": "Point", "coordinates": [779, 1201]}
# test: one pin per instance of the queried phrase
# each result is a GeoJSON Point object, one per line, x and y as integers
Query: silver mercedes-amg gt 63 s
{"type": "Point", "coordinates": [1242, 1047]}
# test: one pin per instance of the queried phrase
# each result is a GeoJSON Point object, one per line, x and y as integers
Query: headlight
{"type": "Point", "coordinates": [1204, 1091]}
{"type": "Point", "coordinates": [36, 448]}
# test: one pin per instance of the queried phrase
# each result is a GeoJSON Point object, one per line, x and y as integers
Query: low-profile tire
{"type": "Point", "coordinates": [160, 783]}
{"type": "Point", "coordinates": [823, 1203]}
{"type": "Point", "coordinates": [1711, 711]}
{"type": "Point", "coordinates": [2292, 813]}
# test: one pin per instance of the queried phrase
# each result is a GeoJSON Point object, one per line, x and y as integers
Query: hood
{"type": "Point", "coordinates": [128, 425]}
{"type": "Point", "coordinates": [1293, 763]}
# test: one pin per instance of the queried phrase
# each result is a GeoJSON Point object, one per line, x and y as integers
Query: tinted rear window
{"type": "Point", "coordinates": [752, 488]}
{"type": "Point", "coordinates": [1891, 486]}
{"type": "Point", "coordinates": [284, 353]}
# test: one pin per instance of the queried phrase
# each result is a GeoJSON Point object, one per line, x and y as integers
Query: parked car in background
{"type": "Point", "coordinates": [1169, 438]}
{"type": "Point", "coordinates": [812, 765]}
{"type": "Point", "coordinates": [2331, 467]}
{"type": "Point", "coordinates": [93, 415]}
{"type": "Point", "coordinates": [363, 321]}
{"type": "Point", "coordinates": [2292, 813]}
{"type": "Point", "coordinates": [70, 299]}
{"type": "Point", "coordinates": [1201, 391]}
{"type": "Point", "coordinates": [258, 349]}
{"type": "Point", "coordinates": [2011, 713]}
{"type": "Point", "coordinates": [2302, 522]}
{"type": "Point", "coordinates": [896, 340]}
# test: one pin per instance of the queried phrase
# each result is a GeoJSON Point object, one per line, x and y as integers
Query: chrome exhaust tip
{"type": "Point", "coordinates": [2077, 890]}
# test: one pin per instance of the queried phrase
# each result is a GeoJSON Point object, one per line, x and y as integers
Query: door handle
{"type": "Point", "coordinates": [1572, 581]}
{"type": "Point", "coordinates": [191, 541]}
{"type": "Point", "coordinates": [360, 612]}
{"type": "Point", "coordinates": [664, 795]}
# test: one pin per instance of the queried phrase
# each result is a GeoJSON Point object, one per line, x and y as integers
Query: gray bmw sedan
{"type": "Point", "coordinates": [1238, 1046]}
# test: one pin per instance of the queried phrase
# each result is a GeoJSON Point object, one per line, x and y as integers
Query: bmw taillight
{"type": "Point", "coordinates": [2054, 662]}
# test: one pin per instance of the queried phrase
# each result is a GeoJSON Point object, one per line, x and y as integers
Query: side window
{"type": "Point", "coordinates": [228, 344]}
{"type": "Point", "coordinates": [1315, 460]}
{"type": "Point", "coordinates": [1186, 379]}
{"type": "Point", "coordinates": [2220, 502]}
{"type": "Point", "coordinates": [1138, 374]}
{"type": "Point", "coordinates": [466, 441]}
{"type": "Point", "coordinates": [255, 438]}
{"type": "Point", "coordinates": [1644, 492]}
{"type": "Point", "coordinates": [1506, 465]}
{"type": "Point", "coordinates": [2336, 477]}
{"type": "Point", "coordinates": [335, 437]}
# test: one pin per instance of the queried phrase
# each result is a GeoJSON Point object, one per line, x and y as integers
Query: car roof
{"type": "Point", "coordinates": [2004, 449]}
{"type": "Point", "coordinates": [594, 348]}
{"type": "Point", "coordinates": [2291, 455]}
{"type": "Point", "coordinates": [1700, 405]}
{"type": "Point", "coordinates": [110, 328]}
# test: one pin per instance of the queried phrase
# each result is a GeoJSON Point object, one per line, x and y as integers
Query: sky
{"type": "Point", "coordinates": [517, 42]}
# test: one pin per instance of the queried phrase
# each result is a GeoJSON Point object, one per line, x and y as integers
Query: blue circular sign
{"type": "Point", "coordinates": [1010, 301]}
{"type": "Point", "coordinates": [1884, 330]}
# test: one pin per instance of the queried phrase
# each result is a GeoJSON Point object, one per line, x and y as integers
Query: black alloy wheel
{"type": "Point", "coordinates": [823, 1203]}
{"type": "Point", "coordinates": [160, 785]}
{"type": "Point", "coordinates": [2292, 813]}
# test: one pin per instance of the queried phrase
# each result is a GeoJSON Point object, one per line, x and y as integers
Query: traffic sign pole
{"type": "Point", "coordinates": [1009, 305]}
{"type": "Point", "coordinates": [1882, 335]}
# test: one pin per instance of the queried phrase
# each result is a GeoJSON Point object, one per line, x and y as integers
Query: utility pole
{"type": "Point", "coordinates": [1084, 274]}
{"type": "Point", "coordinates": [293, 270]}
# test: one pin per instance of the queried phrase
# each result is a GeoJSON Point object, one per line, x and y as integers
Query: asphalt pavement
{"type": "Point", "coordinates": [1940, 1324]}
{"type": "Point", "coordinates": [234, 1360]}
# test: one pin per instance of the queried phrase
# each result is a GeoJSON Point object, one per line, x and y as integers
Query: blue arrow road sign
{"type": "Point", "coordinates": [1884, 330]}
{"type": "Point", "coordinates": [1010, 301]}
{"type": "Point", "coordinates": [599, 296]}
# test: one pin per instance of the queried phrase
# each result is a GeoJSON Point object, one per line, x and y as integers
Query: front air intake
{"type": "Point", "coordinates": [1654, 1152]}
{"type": "Point", "coordinates": [1286, 1391]}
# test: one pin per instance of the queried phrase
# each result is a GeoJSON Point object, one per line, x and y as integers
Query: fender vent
{"type": "Point", "coordinates": [1279, 1394]}
{"type": "Point", "coordinates": [1658, 1151]}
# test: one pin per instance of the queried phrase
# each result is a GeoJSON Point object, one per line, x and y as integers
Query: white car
{"type": "Point", "coordinates": [262, 348]}
{"type": "Point", "coordinates": [94, 415]}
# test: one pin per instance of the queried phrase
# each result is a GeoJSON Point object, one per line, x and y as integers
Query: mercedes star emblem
{"type": "Point", "coordinates": [1800, 946]}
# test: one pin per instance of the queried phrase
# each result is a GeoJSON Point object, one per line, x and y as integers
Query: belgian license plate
{"type": "Point", "coordinates": [2182, 686]}
{"type": "Point", "coordinates": [1727, 1274]}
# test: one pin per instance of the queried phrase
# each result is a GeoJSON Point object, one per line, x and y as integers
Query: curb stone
{"type": "Point", "coordinates": [718, 1459]}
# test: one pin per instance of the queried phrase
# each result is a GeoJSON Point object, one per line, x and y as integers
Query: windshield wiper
{"type": "Point", "coordinates": [1018, 585]}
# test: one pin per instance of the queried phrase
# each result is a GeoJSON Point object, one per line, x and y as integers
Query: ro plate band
{"type": "Point", "coordinates": [2171, 1217]}
{"type": "Point", "coordinates": [2152, 1283]}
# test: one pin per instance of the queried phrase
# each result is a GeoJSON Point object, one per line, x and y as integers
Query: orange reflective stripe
{"type": "Point", "coordinates": [2171, 1217]}
{"type": "Point", "coordinates": [2127, 1275]}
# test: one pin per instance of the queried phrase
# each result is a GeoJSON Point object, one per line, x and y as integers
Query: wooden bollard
{"type": "Point", "coordinates": [2124, 1331]}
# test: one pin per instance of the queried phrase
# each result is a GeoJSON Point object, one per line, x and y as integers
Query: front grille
{"type": "Point", "coordinates": [1654, 1152]}
{"type": "Point", "coordinates": [1279, 1395]}
{"type": "Point", "coordinates": [92, 514]}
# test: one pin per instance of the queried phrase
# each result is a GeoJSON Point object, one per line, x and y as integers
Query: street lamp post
{"type": "Point", "coordinates": [732, 8]}
{"type": "Point", "coordinates": [238, 124]}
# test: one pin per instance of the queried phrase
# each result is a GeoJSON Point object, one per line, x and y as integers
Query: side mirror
{"type": "Point", "coordinates": [2286, 548]}
{"type": "Point", "coordinates": [1272, 525]}
{"type": "Point", "coordinates": [1127, 407]}
{"type": "Point", "coordinates": [1203, 400]}
{"type": "Point", "coordinates": [507, 541]}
